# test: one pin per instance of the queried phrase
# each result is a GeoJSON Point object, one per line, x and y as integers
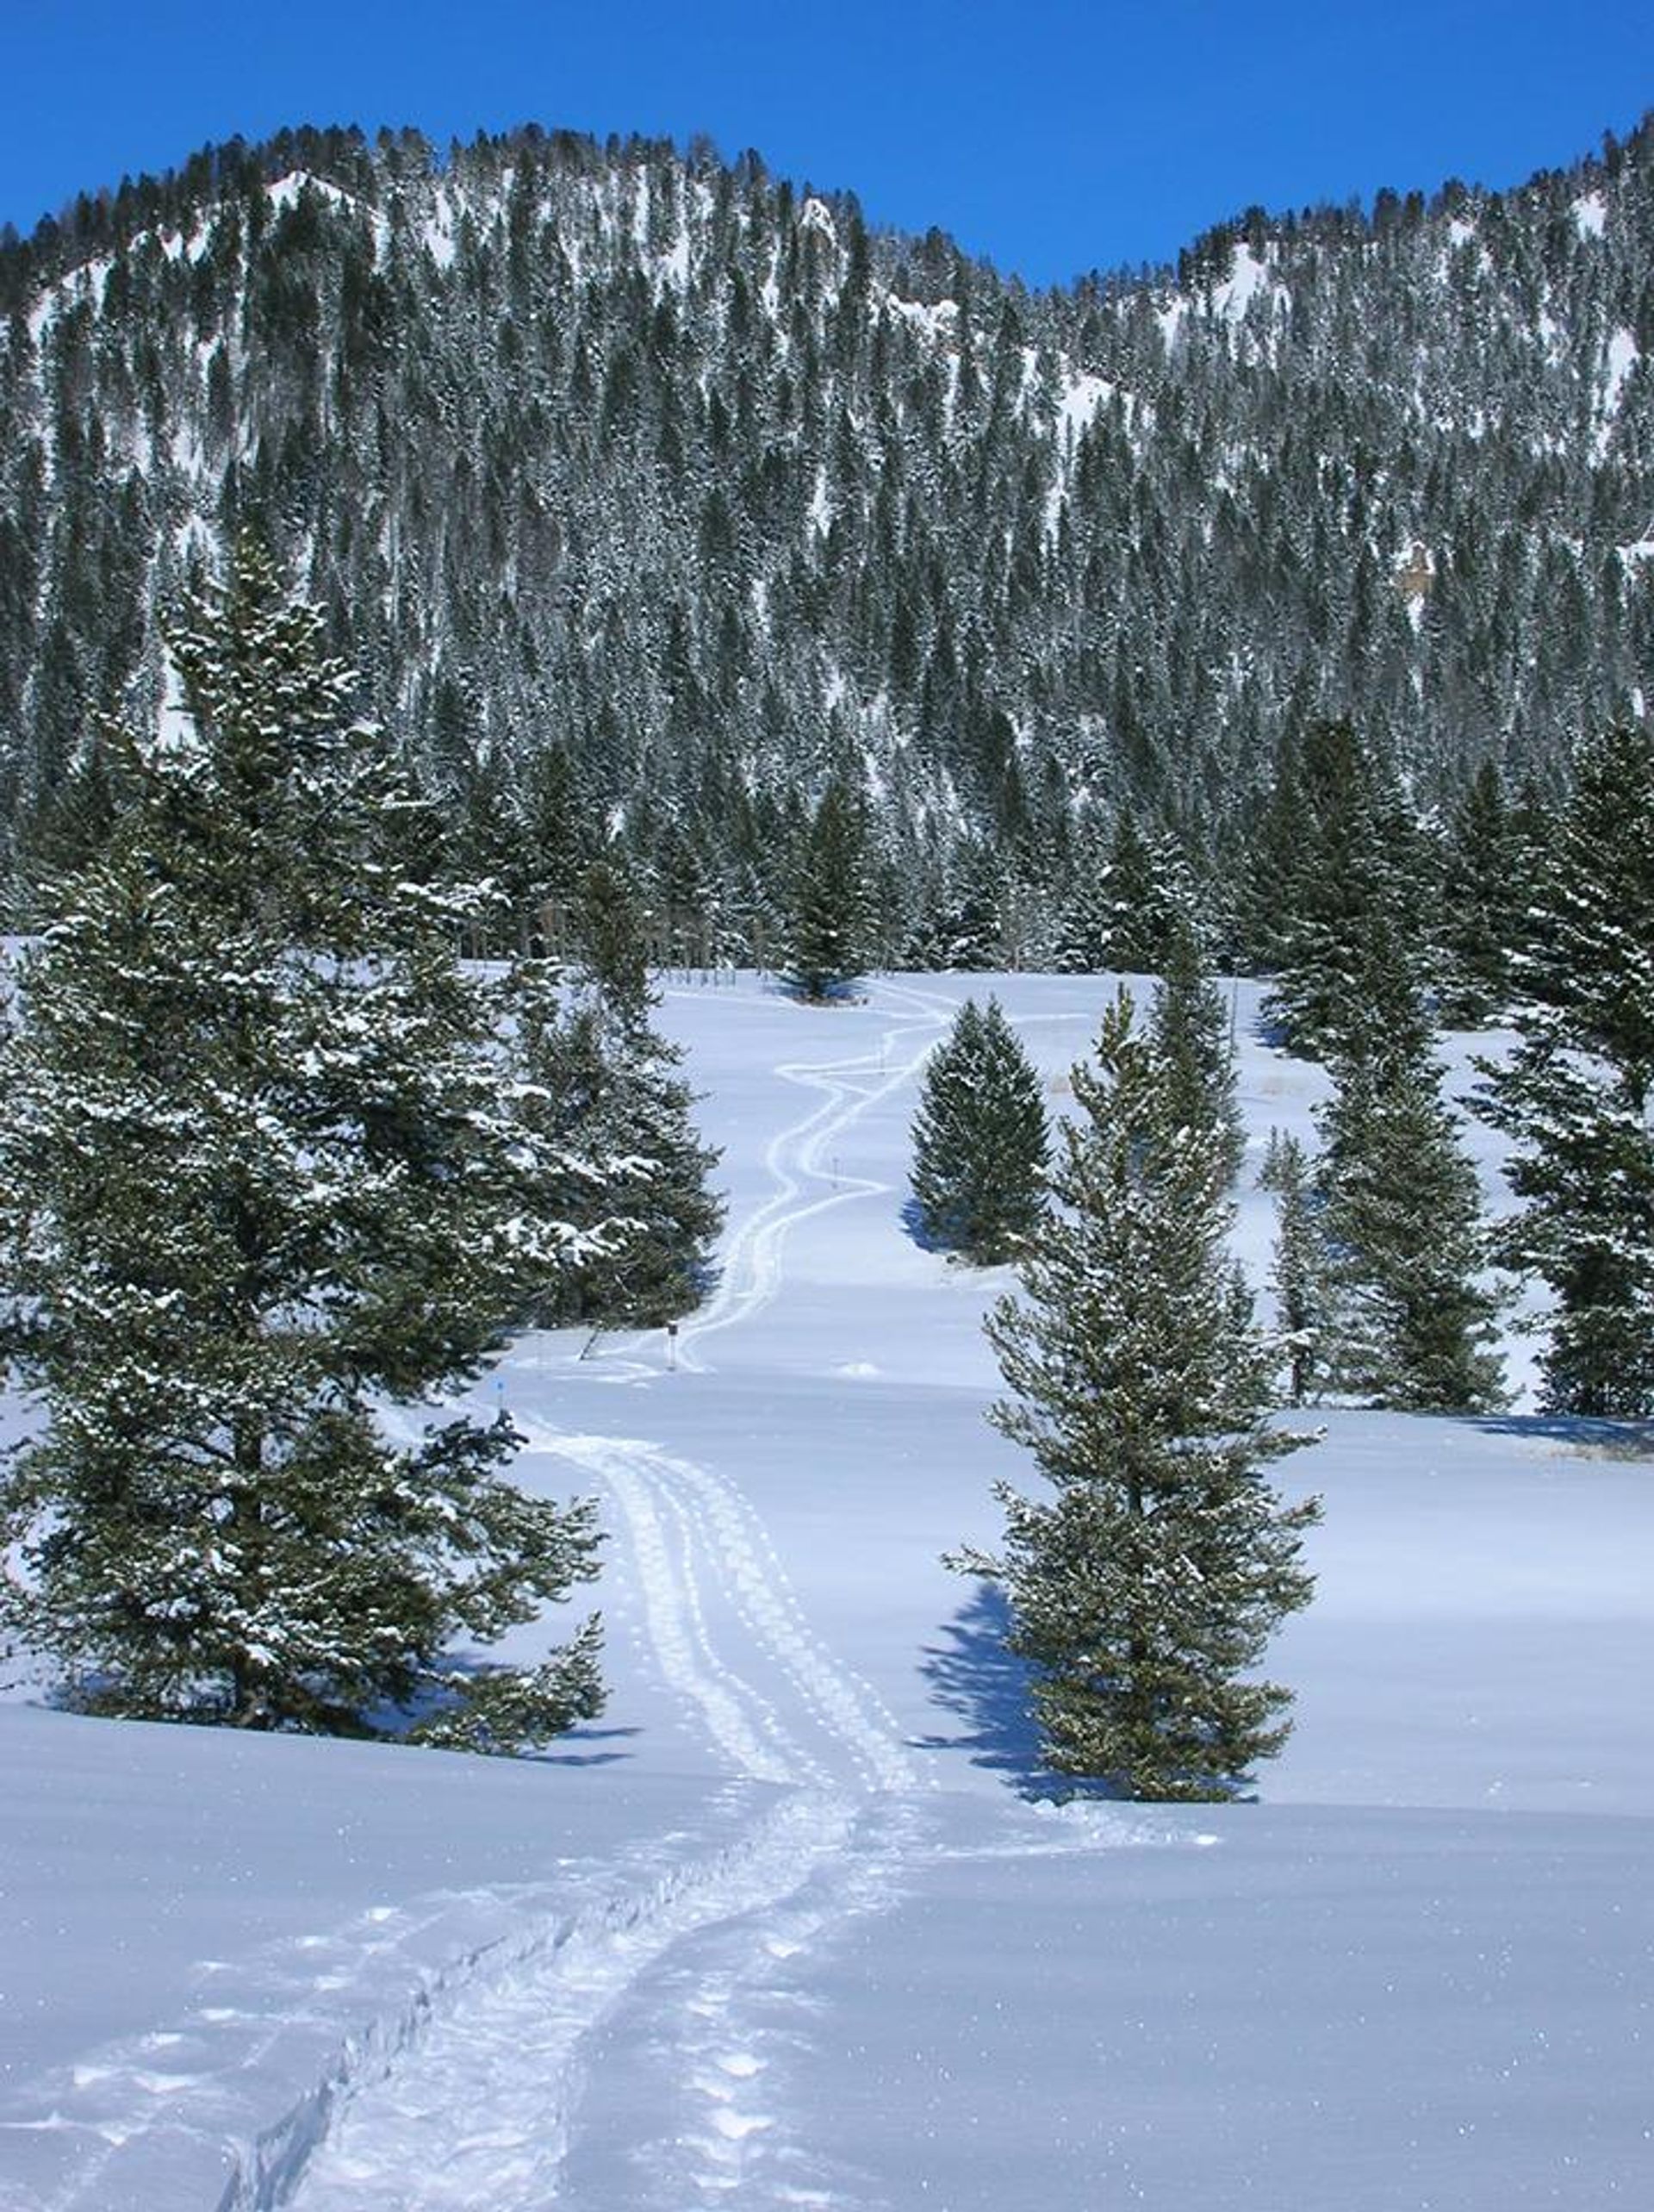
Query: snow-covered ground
{"type": "Point", "coordinates": [784, 1927]}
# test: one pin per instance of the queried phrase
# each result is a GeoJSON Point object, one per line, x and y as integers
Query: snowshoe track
{"type": "Point", "coordinates": [476, 2102]}
{"type": "Point", "coordinates": [480, 2113]}
{"type": "Point", "coordinates": [720, 1540]}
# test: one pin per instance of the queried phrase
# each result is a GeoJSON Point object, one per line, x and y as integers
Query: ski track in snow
{"type": "Point", "coordinates": [486, 2104]}
{"type": "Point", "coordinates": [482, 2111]}
{"type": "Point", "coordinates": [751, 1272]}
{"type": "Point", "coordinates": [691, 1530]}
{"type": "Point", "coordinates": [702, 2063]}
{"type": "Point", "coordinates": [671, 1970]}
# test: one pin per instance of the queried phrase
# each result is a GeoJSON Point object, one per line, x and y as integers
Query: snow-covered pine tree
{"type": "Point", "coordinates": [1577, 1096]}
{"type": "Point", "coordinates": [828, 931]}
{"type": "Point", "coordinates": [1127, 896]}
{"type": "Point", "coordinates": [606, 928]}
{"type": "Point", "coordinates": [258, 1180]}
{"type": "Point", "coordinates": [613, 1117]}
{"type": "Point", "coordinates": [1300, 1269]}
{"type": "Point", "coordinates": [1193, 1029]}
{"type": "Point", "coordinates": [981, 1143]}
{"type": "Point", "coordinates": [1483, 894]}
{"type": "Point", "coordinates": [939, 1123]}
{"type": "Point", "coordinates": [1144, 1591]}
{"type": "Point", "coordinates": [1348, 873]}
{"type": "Point", "coordinates": [1082, 928]}
{"type": "Point", "coordinates": [1414, 1322]}
{"type": "Point", "coordinates": [970, 927]}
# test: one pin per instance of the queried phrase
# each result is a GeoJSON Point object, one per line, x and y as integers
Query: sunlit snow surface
{"type": "Point", "coordinates": [787, 1926]}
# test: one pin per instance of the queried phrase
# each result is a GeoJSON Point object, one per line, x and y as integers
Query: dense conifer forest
{"type": "Point", "coordinates": [658, 498]}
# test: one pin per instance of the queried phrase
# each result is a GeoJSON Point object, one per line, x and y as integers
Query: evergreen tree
{"type": "Point", "coordinates": [1576, 1095]}
{"type": "Point", "coordinates": [1481, 904]}
{"type": "Point", "coordinates": [981, 1142]}
{"type": "Point", "coordinates": [1193, 1029]}
{"type": "Point", "coordinates": [1267, 867]}
{"type": "Point", "coordinates": [557, 834]}
{"type": "Point", "coordinates": [1082, 929]}
{"type": "Point", "coordinates": [829, 926]}
{"type": "Point", "coordinates": [1144, 1591]}
{"type": "Point", "coordinates": [1132, 900]}
{"type": "Point", "coordinates": [1348, 877]}
{"type": "Point", "coordinates": [257, 1180]}
{"type": "Point", "coordinates": [1414, 1324]}
{"type": "Point", "coordinates": [1300, 1273]}
{"type": "Point", "coordinates": [611, 1116]}
{"type": "Point", "coordinates": [607, 926]}
{"type": "Point", "coordinates": [970, 927]}
{"type": "Point", "coordinates": [1125, 902]}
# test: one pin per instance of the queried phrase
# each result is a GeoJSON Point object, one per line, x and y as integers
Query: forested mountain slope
{"type": "Point", "coordinates": [652, 491]}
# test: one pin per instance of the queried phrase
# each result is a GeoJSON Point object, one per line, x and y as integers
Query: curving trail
{"type": "Point", "coordinates": [691, 1531]}
{"type": "Point", "coordinates": [499, 2100]}
{"type": "Point", "coordinates": [751, 1265]}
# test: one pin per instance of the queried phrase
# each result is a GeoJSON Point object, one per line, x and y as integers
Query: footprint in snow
{"type": "Point", "coordinates": [735, 2127]}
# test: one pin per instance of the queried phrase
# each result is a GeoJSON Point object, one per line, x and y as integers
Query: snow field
{"type": "Point", "coordinates": [781, 1928]}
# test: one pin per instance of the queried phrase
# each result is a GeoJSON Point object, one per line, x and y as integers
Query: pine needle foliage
{"type": "Point", "coordinates": [1300, 1266]}
{"type": "Point", "coordinates": [1576, 1097]}
{"type": "Point", "coordinates": [1144, 1590]}
{"type": "Point", "coordinates": [1415, 1318]}
{"type": "Point", "coordinates": [1192, 1028]}
{"type": "Point", "coordinates": [258, 1180]}
{"type": "Point", "coordinates": [1482, 888]}
{"type": "Point", "coordinates": [980, 1140]}
{"type": "Point", "coordinates": [828, 932]}
{"type": "Point", "coordinates": [612, 1115]}
{"type": "Point", "coordinates": [1345, 866]}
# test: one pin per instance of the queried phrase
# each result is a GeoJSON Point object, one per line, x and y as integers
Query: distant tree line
{"type": "Point", "coordinates": [656, 498]}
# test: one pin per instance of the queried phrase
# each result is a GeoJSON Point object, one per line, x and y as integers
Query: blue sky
{"type": "Point", "coordinates": [1051, 138]}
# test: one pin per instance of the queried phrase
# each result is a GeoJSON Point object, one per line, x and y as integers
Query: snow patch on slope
{"type": "Point", "coordinates": [1620, 358]}
{"type": "Point", "coordinates": [1082, 396]}
{"type": "Point", "coordinates": [436, 232]}
{"type": "Point", "coordinates": [939, 322]}
{"type": "Point", "coordinates": [285, 193]}
{"type": "Point", "coordinates": [1248, 276]}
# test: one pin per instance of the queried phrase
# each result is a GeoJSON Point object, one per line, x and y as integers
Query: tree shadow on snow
{"type": "Point", "coordinates": [973, 1675]}
{"type": "Point", "coordinates": [582, 1757]}
{"type": "Point", "coordinates": [1628, 1440]}
{"type": "Point", "coordinates": [913, 1222]}
{"type": "Point", "coordinates": [1268, 1031]}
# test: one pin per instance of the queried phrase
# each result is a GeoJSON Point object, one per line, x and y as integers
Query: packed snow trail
{"type": "Point", "coordinates": [750, 1264]}
{"type": "Point", "coordinates": [481, 2112]}
{"type": "Point", "coordinates": [703, 2090]}
{"type": "Point", "coordinates": [692, 1532]}
{"type": "Point", "coordinates": [484, 2108]}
